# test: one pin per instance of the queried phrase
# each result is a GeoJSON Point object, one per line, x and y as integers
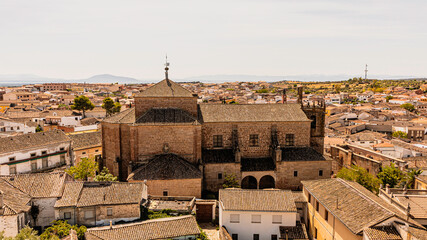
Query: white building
{"type": "Point", "coordinates": [34, 152]}
{"type": "Point", "coordinates": [8, 126]}
{"type": "Point", "coordinates": [257, 214]}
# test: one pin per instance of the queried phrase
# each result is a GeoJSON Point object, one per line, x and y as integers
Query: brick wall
{"type": "Point", "coordinates": [143, 104]}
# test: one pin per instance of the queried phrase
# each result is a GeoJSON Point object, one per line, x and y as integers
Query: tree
{"type": "Point", "coordinates": [39, 129]}
{"type": "Point", "coordinates": [410, 177]}
{"type": "Point", "coordinates": [337, 88]}
{"type": "Point", "coordinates": [230, 181]}
{"type": "Point", "coordinates": [361, 176]}
{"type": "Point", "coordinates": [105, 176]}
{"type": "Point", "coordinates": [82, 103]}
{"type": "Point", "coordinates": [391, 175]}
{"type": "Point", "coordinates": [110, 106]}
{"type": "Point", "coordinates": [408, 107]}
{"type": "Point", "coordinates": [400, 134]}
{"type": "Point", "coordinates": [27, 233]}
{"type": "Point", "coordinates": [61, 229]}
{"type": "Point", "coordinates": [387, 99]}
{"type": "Point", "coordinates": [85, 168]}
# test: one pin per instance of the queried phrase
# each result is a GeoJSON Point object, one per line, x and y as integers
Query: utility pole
{"type": "Point", "coordinates": [366, 71]}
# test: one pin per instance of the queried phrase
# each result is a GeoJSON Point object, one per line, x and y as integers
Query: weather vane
{"type": "Point", "coordinates": [166, 67]}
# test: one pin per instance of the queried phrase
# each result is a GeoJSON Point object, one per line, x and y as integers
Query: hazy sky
{"type": "Point", "coordinates": [81, 38]}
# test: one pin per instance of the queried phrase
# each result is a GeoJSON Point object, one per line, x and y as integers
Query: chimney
{"type": "Point", "coordinates": [387, 188]}
{"type": "Point", "coordinates": [284, 96]}
{"type": "Point", "coordinates": [111, 224]}
{"type": "Point", "coordinates": [299, 88]}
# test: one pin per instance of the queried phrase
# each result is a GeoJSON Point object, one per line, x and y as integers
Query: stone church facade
{"type": "Point", "coordinates": [181, 147]}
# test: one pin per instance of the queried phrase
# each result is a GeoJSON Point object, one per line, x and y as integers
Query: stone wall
{"type": "Point", "coordinates": [210, 174]}
{"type": "Point", "coordinates": [301, 131]}
{"type": "Point", "coordinates": [175, 187]}
{"type": "Point", "coordinates": [142, 104]}
{"type": "Point", "coordinates": [307, 170]}
{"type": "Point", "coordinates": [9, 224]}
{"type": "Point", "coordinates": [123, 212]}
{"type": "Point", "coordinates": [111, 146]}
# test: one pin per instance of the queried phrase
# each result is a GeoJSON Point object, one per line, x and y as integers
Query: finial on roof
{"type": "Point", "coordinates": [166, 68]}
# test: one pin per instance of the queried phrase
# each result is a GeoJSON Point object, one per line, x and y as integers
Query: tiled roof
{"type": "Point", "coordinates": [126, 116]}
{"type": "Point", "coordinates": [86, 140]}
{"type": "Point", "coordinates": [166, 166]}
{"type": "Point", "coordinates": [166, 115]}
{"type": "Point", "coordinates": [89, 121]}
{"type": "Point", "coordinates": [39, 185]}
{"type": "Point", "coordinates": [165, 88]}
{"type": "Point", "coordinates": [418, 232]}
{"type": "Point", "coordinates": [298, 232]}
{"type": "Point", "coordinates": [257, 200]}
{"type": "Point", "coordinates": [14, 200]}
{"type": "Point", "coordinates": [418, 204]}
{"type": "Point", "coordinates": [258, 164]}
{"type": "Point", "coordinates": [83, 194]}
{"type": "Point", "coordinates": [218, 156]}
{"type": "Point", "coordinates": [162, 228]}
{"type": "Point", "coordinates": [252, 113]}
{"type": "Point", "coordinates": [301, 154]}
{"type": "Point", "coordinates": [382, 233]}
{"type": "Point", "coordinates": [31, 140]}
{"type": "Point", "coordinates": [299, 196]}
{"type": "Point", "coordinates": [351, 203]}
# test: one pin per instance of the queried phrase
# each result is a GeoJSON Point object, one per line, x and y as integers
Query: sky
{"type": "Point", "coordinates": [80, 38]}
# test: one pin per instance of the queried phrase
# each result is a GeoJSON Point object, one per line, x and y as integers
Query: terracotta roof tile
{"type": "Point", "coordinates": [382, 233]}
{"type": "Point", "coordinates": [86, 140]}
{"type": "Point", "coordinates": [165, 88]}
{"type": "Point", "coordinates": [15, 201]}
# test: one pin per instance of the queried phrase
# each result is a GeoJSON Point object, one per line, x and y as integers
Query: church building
{"type": "Point", "coordinates": [182, 148]}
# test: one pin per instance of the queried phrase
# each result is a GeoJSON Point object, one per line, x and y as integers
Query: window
{"type": "Point", "coordinates": [83, 153]}
{"type": "Point", "coordinates": [97, 150]}
{"type": "Point", "coordinates": [11, 128]}
{"type": "Point", "coordinates": [62, 159]}
{"type": "Point", "coordinates": [33, 154]}
{"type": "Point", "coordinates": [219, 175]}
{"type": "Point", "coordinates": [273, 237]}
{"type": "Point", "coordinates": [11, 159]}
{"type": "Point", "coordinates": [317, 206]}
{"type": "Point", "coordinates": [315, 232]}
{"type": "Point", "coordinates": [17, 128]}
{"type": "Point", "coordinates": [234, 218]}
{"type": "Point", "coordinates": [89, 214]}
{"type": "Point", "coordinates": [12, 169]}
{"type": "Point", "coordinates": [289, 140]}
{"type": "Point", "coordinates": [277, 219]}
{"type": "Point", "coordinates": [67, 215]}
{"type": "Point", "coordinates": [253, 140]}
{"type": "Point", "coordinates": [217, 141]}
{"type": "Point", "coordinates": [109, 212]}
{"type": "Point", "coordinates": [165, 193]}
{"type": "Point", "coordinates": [44, 152]}
{"type": "Point", "coordinates": [326, 215]}
{"type": "Point", "coordinates": [45, 163]}
{"type": "Point", "coordinates": [295, 173]}
{"type": "Point", "coordinates": [309, 198]}
{"type": "Point", "coordinates": [256, 236]}
{"type": "Point", "coordinates": [320, 173]}
{"type": "Point", "coordinates": [33, 165]}
{"type": "Point", "coordinates": [234, 236]}
{"type": "Point", "coordinates": [61, 149]}
{"type": "Point", "coordinates": [256, 219]}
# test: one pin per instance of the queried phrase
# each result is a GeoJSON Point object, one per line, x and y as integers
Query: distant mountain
{"type": "Point", "coordinates": [108, 78]}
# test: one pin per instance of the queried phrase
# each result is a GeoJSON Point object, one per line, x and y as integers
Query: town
{"type": "Point", "coordinates": [229, 161]}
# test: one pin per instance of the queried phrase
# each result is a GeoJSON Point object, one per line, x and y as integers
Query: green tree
{"type": "Point", "coordinates": [110, 106]}
{"type": "Point", "coordinates": [410, 177]}
{"type": "Point", "coordinates": [387, 99]}
{"type": "Point", "coordinates": [361, 176]}
{"type": "Point", "coordinates": [408, 107]}
{"type": "Point", "coordinates": [400, 134]}
{"type": "Point", "coordinates": [105, 176]}
{"type": "Point", "coordinates": [230, 181]}
{"type": "Point", "coordinates": [85, 168]}
{"type": "Point", "coordinates": [391, 175]}
{"type": "Point", "coordinates": [39, 129]}
{"type": "Point", "coordinates": [337, 88]}
{"type": "Point", "coordinates": [27, 233]}
{"type": "Point", "coordinates": [82, 103]}
{"type": "Point", "coordinates": [61, 229]}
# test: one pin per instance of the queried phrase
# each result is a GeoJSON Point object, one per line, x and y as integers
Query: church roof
{"type": "Point", "coordinates": [165, 88]}
{"type": "Point", "coordinates": [166, 166]}
{"type": "Point", "coordinates": [126, 116]}
{"type": "Point", "coordinates": [166, 115]}
{"type": "Point", "coordinates": [252, 113]}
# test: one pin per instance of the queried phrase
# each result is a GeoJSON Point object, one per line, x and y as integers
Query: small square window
{"type": "Point", "coordinates": [234, 236]}
{"type": "Point", "coordinates": [256, 219]}
{"type": "Point", "coordinates": [11, 159]}
{"type": "Point", "coordinates": [274, 237]}
{"type": "Point", "coordinates": [33, 154]}
{"type": "Point", "coordinates": [234, 218]}
{"type": "Point", "coordinates": [217, 141]}
{"type": "Point", "coordinates": [83, 153]}
{"type": "Point", "coordinates": [165, 193]}
{"type": "Point", "coordinates": [253, 140]}
{"type": "Point", "coordinates": [320, 173]}
{"type": "Point", "coordinates": [44, 152]}
{"type": "Point", "coordinates": [67, 215]}
{"type": "Point", "coordinates": [219, 175]}
{"type": "Point", "coordinates": [256, 236]}
{"type": "Point", "coordinates": [109, 211]}
{"type": "Point", "coordinates": [61, 149]}
{"type": "Point", "coordinates": [295, 173]}
{"type": "Point", "coordinates": [97, 150]}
